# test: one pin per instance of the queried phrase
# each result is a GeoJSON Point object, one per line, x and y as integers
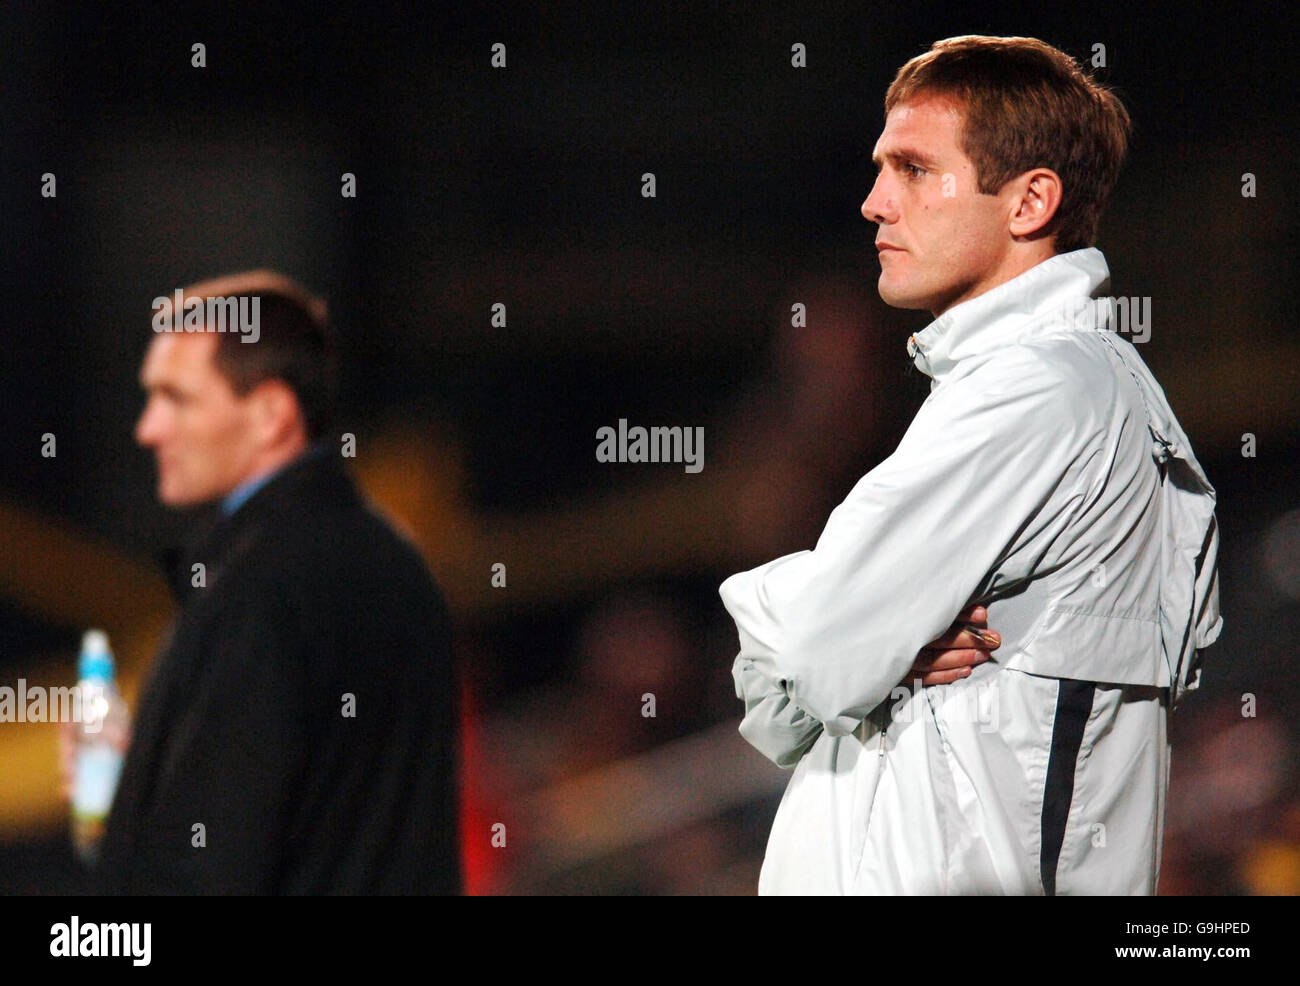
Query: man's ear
{"type": "Point", "coordinates": [1037, 202]}
{"type": "Point", "coordinates": [276, 411]}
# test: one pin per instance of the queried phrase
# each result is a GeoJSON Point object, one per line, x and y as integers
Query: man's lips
{"type": "Point", "coordinates": [882, 247]}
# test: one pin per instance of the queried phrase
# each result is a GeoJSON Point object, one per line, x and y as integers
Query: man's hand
{"type": "Point", "coordinates": [951, 657]}
{"type": "Point", "coordinates": [67, 756]}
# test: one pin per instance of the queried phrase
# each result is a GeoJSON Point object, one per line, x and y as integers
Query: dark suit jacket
{"type": "Point", "coordinates": [309, 597]}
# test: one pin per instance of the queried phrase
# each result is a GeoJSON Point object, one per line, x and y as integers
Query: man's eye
{"type": "Point", "coordinates": [913, 170]}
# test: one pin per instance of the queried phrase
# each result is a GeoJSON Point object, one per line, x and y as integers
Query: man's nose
{"type": "Point", "coordinates": [146, 429]}
{"type": "Point", "coordinates": [874, 206]}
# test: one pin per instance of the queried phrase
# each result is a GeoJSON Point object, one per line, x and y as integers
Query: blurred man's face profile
{"type": "Point", "coordinates": [939, 239]}
{"type": "Point", "coordinates": [196, 425]}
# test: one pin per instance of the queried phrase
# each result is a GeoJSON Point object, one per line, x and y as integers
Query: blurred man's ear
{"type": "Point", "coordinates": [276, 414]}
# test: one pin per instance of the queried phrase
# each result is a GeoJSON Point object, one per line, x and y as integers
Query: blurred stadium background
{"type": "Point", "coordinates": [522, 186]}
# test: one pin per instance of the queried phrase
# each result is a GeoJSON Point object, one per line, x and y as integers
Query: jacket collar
{"type": "Point", "coordinates": [314, 481]}
{"type": "Point", "coordinates": [1038, 300]}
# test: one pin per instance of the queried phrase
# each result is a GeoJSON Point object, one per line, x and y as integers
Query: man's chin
{"type": "Point", "coordinates": [181, 499]}
{"type": "Point", "coordinates": [896, 296]}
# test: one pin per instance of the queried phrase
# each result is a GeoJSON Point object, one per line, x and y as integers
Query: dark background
{"type": "Point", "coordinates": [522, 186]}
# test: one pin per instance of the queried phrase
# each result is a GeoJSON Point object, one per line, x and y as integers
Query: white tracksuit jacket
{"type": "Point", "coordinates": [1045, 477]}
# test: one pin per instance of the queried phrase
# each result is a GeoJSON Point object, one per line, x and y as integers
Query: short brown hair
{"type": "Point", "coordinates": [295, 343]}
{"type": "Point", "coordinates": [1028, 105]}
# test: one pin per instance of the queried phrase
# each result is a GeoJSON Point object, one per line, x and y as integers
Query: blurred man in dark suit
{"type": "Point", "coordinates": [297, 734]}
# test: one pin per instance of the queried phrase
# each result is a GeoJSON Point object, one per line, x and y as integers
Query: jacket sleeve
{"type": "Point", "coordinates": [991, 469]}
{"type": "Point", "coordinates": [773, 725]}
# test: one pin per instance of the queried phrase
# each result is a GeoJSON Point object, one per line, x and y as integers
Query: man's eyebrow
{"type": "Point", "coordinates": [905, 154]}
{"type": "Point", "coordinates": [166, 389]}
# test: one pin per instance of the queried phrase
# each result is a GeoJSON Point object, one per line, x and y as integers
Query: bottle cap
{"type": "Point", "coordinates": [96, 660]}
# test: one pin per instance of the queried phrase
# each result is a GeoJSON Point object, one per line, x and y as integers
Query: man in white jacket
{"type": "Point", "coordinates": [1044, 478]}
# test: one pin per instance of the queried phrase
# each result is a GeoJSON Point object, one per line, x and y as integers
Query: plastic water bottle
{"type": "Point", "coordinates": [100, 744]}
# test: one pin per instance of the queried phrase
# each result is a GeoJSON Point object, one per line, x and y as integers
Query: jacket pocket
{"type": "Point", "coordinates": [1072, 643]}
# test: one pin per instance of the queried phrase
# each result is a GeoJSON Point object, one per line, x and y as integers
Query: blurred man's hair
{"type": "Point", "coordinates": [295, 344]}
{"type": "Point", "coordinates": [1028, 105]}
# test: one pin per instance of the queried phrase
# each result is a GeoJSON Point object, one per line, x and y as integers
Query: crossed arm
{"type": "Point", "coordinates": [783, 732]}
{"type": "Point", "coordinates": [991, 473]}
